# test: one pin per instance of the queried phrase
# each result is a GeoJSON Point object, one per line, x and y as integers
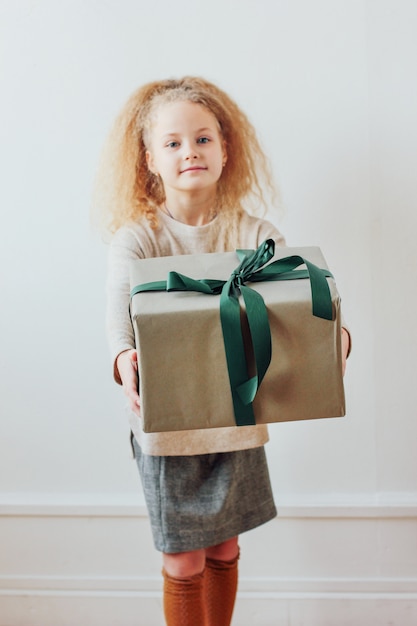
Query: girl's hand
{"type": "Point", "coordinates": [345, 348]}
{"type": "Point", "coordinates": [127, 365]}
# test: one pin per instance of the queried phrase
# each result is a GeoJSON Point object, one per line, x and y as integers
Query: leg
{"type": "Point", "coordinates": [183, 564]}
{"type": "Point", "coordinates": [221, 577]}
{"type": "Point", "coordinates": [194, 596]}
{"type": "Point", "coordinates": [184, 600]}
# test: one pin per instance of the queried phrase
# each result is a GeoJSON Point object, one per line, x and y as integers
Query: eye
{"type": "Point", "coordinates": [172, 144]}
{"type": "Point", "coordinates": [203, 140]}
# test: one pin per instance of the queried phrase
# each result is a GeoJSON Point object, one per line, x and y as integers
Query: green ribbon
{"type": "Point", "coordinates": [253, 268]}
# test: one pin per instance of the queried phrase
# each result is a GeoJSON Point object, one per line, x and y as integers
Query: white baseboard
{"type": "Point", "coordinates": [87, 559]}
{"type": "Point", "coordinates": [269, 587]}
{"type": "Point", "coordinates": [366, 505]}
{"type": "Point", "coordinates": [134, 608]}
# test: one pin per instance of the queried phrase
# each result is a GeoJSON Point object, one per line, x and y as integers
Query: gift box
{"type": "Point", "coordinates": [260, 342]}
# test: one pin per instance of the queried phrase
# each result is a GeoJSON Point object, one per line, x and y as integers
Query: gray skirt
{"type": "Point", "coordinates": [200, 501]}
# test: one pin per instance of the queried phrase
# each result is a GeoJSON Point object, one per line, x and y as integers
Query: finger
{"type": "Point", "coordinates": [134, 359]}
{"type": "Point", "coordinates": [135, 409]}
{"type": "Point", "coordinates": [134, 402]}
{"type": "Point", "coordinates": [132, 393]}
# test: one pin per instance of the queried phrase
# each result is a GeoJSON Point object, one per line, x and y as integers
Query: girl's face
{"type": "Point", "coordinates": [186, 148]}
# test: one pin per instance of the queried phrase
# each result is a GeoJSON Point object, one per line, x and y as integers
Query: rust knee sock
{"type": "Point", "coordinates": [221, 587]}
{"type": "Point", "coordinates": [184, 600]}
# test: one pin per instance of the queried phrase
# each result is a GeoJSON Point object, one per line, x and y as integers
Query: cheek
{"type": "Point", "coordinates": [157, 162]}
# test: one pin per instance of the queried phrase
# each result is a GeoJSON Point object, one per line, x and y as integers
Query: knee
{"type": "Point", "coordinates": [184, 564]}
{"type": "Point", "coordinates": [226, 551]}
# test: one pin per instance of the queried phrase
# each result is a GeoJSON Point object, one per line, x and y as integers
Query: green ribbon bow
{"type": "Point", "coordinates": [253, 268]}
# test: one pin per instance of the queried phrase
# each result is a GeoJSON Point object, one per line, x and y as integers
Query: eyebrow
{"type": "Point", "coordinates": [197, 132]}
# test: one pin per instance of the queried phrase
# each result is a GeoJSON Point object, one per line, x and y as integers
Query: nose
{"type": "Point", "coordinates": [190, 152]}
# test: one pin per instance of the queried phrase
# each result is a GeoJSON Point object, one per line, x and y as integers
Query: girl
{"type": "Point", "coordinates": [181, 167]}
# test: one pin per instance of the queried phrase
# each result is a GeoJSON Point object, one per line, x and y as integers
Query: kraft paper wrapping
{"type": "Point", "coordinates": [183, 377]}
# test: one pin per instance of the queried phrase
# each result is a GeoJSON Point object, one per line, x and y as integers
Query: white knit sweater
{"type": "Point", "coordinates": [139, 240]}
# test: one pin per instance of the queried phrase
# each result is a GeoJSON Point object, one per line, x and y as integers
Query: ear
{"type": "Point", "coordinates": [224, 153]}
{"type": "Point", "coordinates": [150, 162]}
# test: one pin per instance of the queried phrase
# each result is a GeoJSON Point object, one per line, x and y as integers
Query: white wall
{"type": "Point", "coordinates": [331, 87]}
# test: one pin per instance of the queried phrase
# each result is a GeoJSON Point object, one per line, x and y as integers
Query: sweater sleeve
{"type": "Point", "coordinates": [123, 249]}
{"type": "Point", "coordinates": [269, 231]}
{"type": "Point", "coordinates": [254, 231]}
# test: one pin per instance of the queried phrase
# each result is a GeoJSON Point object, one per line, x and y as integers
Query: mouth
{"type": "Point", "coordinates": [194, 168]}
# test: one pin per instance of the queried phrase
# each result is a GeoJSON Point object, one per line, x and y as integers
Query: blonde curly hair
{"type": "Point", "coordinates": [126, 190]}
